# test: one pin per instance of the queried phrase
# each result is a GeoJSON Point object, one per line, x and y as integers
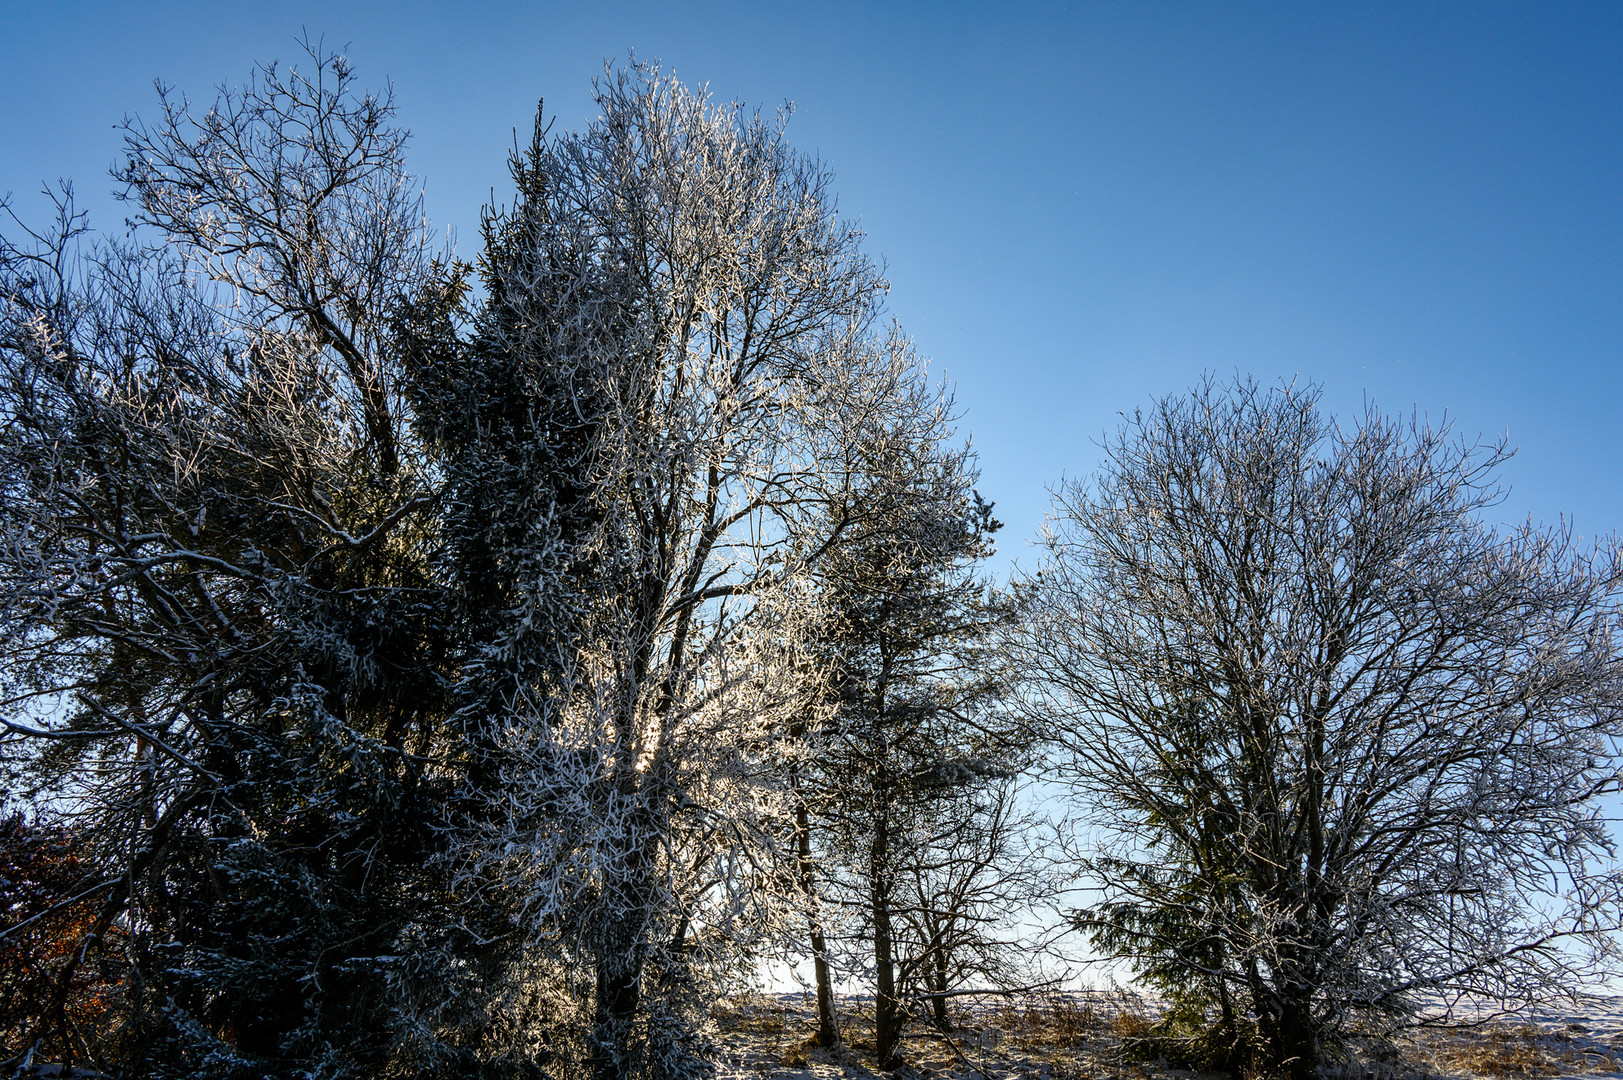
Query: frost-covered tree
{"type": "Point", "coordinates": [973, 895]}
{"type": "Point", "coordinates": [1341, 738]}
{"type": "Point", "coordinates": [702, 315]}
{"type": "Point", "coordinates": [905, 492]}
{"type": "Point", "coordinates": [222, 632]}
{"type": "Point", "coordinates": [423, 660]}
{"type": "Point", "coordinates": [909, 729]}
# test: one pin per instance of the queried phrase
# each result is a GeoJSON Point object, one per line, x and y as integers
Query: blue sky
{"type": "Point", "coordinates": [1082, 206]}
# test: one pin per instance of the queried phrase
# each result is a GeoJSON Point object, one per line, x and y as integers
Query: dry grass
{"type": "Point", "coordinates": [1115, 1035]}
{"type": "Point", "coordinates": [1506, 1052]}
{"type": "Point", "coordinates": [1057, 1022]}
{"type": "Point", "coordinates": [1074, 1022]}
{"type": "Point", "coordinates": [1515, 1052]}
{"type": "Point", "coordinates": [761, 1027]}
{"type": "Point", "coordinates": [1131, 1025]}
{"type": "Point", "coordinates": [751, 1014]}
{"type": "Point", "coordinates": [1071, 1023]}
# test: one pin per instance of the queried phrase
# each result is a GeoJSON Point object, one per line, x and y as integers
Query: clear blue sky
{"type": "Point", "coordinates": [1082, 206]}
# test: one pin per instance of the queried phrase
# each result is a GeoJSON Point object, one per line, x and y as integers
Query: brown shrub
{"type": "Point", "coordinates": [41, 869]}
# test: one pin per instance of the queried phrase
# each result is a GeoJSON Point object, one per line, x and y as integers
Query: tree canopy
{"type": "Point", "coordinates": [1339, 734]}
{"type": "Point", "coordinates": [415, 667]}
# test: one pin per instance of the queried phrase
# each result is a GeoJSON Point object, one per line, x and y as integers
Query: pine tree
{"type": "Point", "coordinates": [910, 728]}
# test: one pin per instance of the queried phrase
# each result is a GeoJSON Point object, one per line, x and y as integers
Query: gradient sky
{"type": "Point", "coordinates": [1082, 206]}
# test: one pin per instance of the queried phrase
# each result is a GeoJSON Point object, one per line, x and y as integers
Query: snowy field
{"type": "Point", "coordinates": [1088, 1035]}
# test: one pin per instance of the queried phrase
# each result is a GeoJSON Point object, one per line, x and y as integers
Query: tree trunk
{"type": "Point", "coordinates": [938, 981]}
{"type": "Point", "coordinates": [1237, 1046]}
{"type": "Point", "coordinates": [1298, 1049]}
{"type": "Point", "coordinates": [1291, 1038]}
{"type": "Point", "coordinates": [828, 1025]}
{"type": "Point", "coordinates": [887, 1026]}
{"type": "Point", "coordinates": [621, 950]}
{"type": "Point", "coordinates": [619, 993]}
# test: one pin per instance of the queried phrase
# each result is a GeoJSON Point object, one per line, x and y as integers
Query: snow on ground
{"type": "Point", "coordinates": [1083, 1036]}
{"type": "Point", "coordinates": [1582, 1037]}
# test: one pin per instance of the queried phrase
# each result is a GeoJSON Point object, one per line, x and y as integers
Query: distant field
{"type": "Point", "coordinates": [1110, 1035]}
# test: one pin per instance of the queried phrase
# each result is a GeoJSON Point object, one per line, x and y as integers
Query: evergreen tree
{"type": "Point", "coordinates": [910, 728]}
{"type": "Point", "coordinates": [222, 627]}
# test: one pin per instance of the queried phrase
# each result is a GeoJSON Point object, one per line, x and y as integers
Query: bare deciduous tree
{"type": "Point", "coordinates": [973, 894]}
{"type": "Point", "coordinates": [1341, 738]}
